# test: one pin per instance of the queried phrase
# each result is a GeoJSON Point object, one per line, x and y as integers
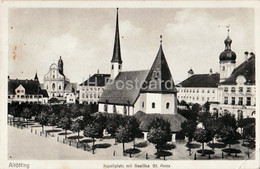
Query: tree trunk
{"type": "Point", "coordinates": [203, 149]}
{"type": "Point", "coordinates": [123, 148]}
{"type": "Point", "coordinates": [229, 146]}
{"type": "Point", "coordinates": [134, 144]}
{"type": "Point", "coordinates": [65, 133]}
{"type": "Point", "coordinates": [78, 136]}
{"type": "Point", "coordinates": [213, 143]}
{"type": "Point", "coordinates": [157, 152]}
{"type": "Point", "coordinates": [93, 139]}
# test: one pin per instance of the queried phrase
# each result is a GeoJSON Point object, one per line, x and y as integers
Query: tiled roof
{"type": "Point", "coordinates": [71, 87]}
{"type": "Point", "coordinates": [96, 80]}
{"type": "Point", "coordinates": [201, 80]}
{"type": "Point", "coordinates": [30, 86]}
{"type": "Point", "coordinates": [118, 93]}
{"type": "Point", "coordinates": [175, 120]}
{"type": "Point", "coordinates": [247, 69]}
{"type": "Point", "coordinates": [159, 76]}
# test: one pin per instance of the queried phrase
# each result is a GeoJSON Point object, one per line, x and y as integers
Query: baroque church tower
{"type": "Point", "coordinates": [227, 60]}
{"type": "Point", "coordinates": [116, 62]}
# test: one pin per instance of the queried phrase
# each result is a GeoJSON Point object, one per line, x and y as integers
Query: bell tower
{"type": "Point", "coordinates": [116, 62]}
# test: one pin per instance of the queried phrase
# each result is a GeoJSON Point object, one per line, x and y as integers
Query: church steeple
{"type": "Point", "coordinates": [116, 62]}
{"type": "Point", "coordinates": [117, 52]}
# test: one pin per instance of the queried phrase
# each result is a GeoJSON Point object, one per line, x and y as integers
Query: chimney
{"type": "Point", "coordinates": [98, 71]}
{"type": "Point", "coordinates": [246, 55]}
{"type": "Point", "coordinates": [190, 72]}
{"type": "Point", "coordinates": [210, 71]}
{"type": "Point", "coordinates": [8, 77]}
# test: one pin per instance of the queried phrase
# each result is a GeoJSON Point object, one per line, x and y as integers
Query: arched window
{"type": "Point", "coordinates": [53, 76]}
{"type": "Point", "coordinates": [112, 67]}
{"type": "Point", "coordinates": [253, 113]}
{"type": "Point", "coordinates": [142, 104]}
{"type": "Point", "coordinates": [153, 105]}
{"type": "Point", "coordinates": [53, 86]}
{"type": "Point", "coordinates": [59, 87]}
{"type": "Point", "coordinates": [114, 109]}
{"type": "Point", "coordinates": [105, 107]}
{"type": "Point", "coordinates": [125, 110]}
{"type": "Point", "coordinates": [167, 105]}
{"type": "Point", "coordinates": [119, 67]}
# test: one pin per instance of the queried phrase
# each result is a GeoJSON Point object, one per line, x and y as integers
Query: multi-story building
{"type": "Point", "coordinates": [91, 90]}
{"type": "Point", "coordinates": [199, 88]}
{"type": "Point", "coordinates": [26, 91]}
{"type": "Point", "coordinates": [58, 85]}
{"type": "Point", "coordinates": [231, 90]}
{"type": "Point", "coordinates": [237, 94]}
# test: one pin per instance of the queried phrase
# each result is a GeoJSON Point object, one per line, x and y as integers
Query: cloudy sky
{"type": "Point", "coordinates": [192, 38]}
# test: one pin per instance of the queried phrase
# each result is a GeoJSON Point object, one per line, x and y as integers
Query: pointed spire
{"type": "Point", "coordinates": [36, 76]}
{"type": "Point", "coordinates": [117, 52]}
{"type": "Point", "coordinates": [228, 42]}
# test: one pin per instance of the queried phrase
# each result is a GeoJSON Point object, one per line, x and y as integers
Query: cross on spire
{"type": "Point", "coordinates": [161, 39]}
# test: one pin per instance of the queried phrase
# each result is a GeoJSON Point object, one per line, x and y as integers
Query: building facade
{"type": "Point", "coordinates": [232, 90]}
{"type": "Point", "coordinates": [58, 85]}
{"type": "Point", "coordinates": [26, 91]}
{"type": "Point", "coordinates": [91, 90]}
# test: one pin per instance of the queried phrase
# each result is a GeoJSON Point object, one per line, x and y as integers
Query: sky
{"type": "Point", "coordinates": [84, 38]}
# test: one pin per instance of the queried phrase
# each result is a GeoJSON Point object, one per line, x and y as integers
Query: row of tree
{"type": "Point", "coordinates": [77, 118]}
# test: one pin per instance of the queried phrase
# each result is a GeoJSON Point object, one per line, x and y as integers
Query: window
{"type": "Point", "coordinates": [213, 91]}
{"type": "Point", "coordinates": [95, 95]}
{"type": "Point", "coordinates": [240, 89]}
{"type": "Point", "coordinates": [233, 89]}
{"type": "Point", "coordinates": [86, 95]}
{"type": "Point", "coordinates": [197, 98]}
{"type": "Point", "coordinates": [90, 96]}
{"type": "Point", "coordinates": [202, 90]}
{"type": "Point", "coordinates": [9, 97]}
{"type": "Point", "coordinates": [18, 96]}
{"type": "Point", "coordinates": [60, 87]}
{"type": "Point", "coordinates": [248, 101]}
{"type": "Point", "coordinates": [193, 90]}
{"type": "Point", "coordinates": [167, 105]}
{"type": "Point", "coordinates": [142, 104]}
{"type": "Point", "coordinates": [114, 109]}
{"type": "Point", "coordinates": [248, 89]}
{"type": "Point", "coordinates": [208, 91]}
{"type": "Point", "coordinates": [83, 95]}
{"type": "Point", "coordinates": [153, 105]}
{"type": "Point", "coordinates": [225, 100]}
{"type": "Point", "coordinates": [197, 90]}
{"type": "Point", "coordinates": [226, 89]}
{"type": "Point", "coordinates": [112, 67]}
{"type": "Point", "coordinates": [105, 107]}
{"type": "Point", "coordinates": [202, 98]}
{"type": "Point", "coordinates": [233, 100]}
{"type": "Point", "coordinates": [223, 68]}
{"type": "Point", "coordinates": [240, 101]}
{"type": "Point", "coordinates": [53, 76]}
{"type": "Point", "coordinates": [119, 66]}
{"type": "Point", "coordinates": [53, 86]}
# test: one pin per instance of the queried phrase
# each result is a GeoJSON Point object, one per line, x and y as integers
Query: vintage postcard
{"type": "Point", "coordinates": [129, 85]}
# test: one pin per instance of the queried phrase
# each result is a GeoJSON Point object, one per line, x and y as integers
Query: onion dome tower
{"type": "Point", "coordinates": [227, 60]}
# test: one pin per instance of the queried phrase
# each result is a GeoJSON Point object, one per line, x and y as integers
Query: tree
{"type": "Point", "coordinates": [123, 136]}
{"type": "Point", "coordinates": [43, 118]}
{"type": "Point", "coordinates": [188, 128]}
{"type": "Point", "coordinates": [27, 114]}
{"type": "Point", "coordinates": [213, 127]}
{"type": "Point", "coordinates": [203, 136]}
{"type": "Point", "coordinates": [134, 130]}
{"type": "Point", "coordinates": [113, 123]}
{"type": "Point", "coordinates": [52, 120]}
{"type": "Point", "coordinates": [93, 130]}
{"type": "Point", "coordinates": [65, 124]}
{"type": "Point", "coordinates": [159, 133]}
{"type": "Point", "coordinates": [77, 126]}
{"type": "Point", "coordinates": [229, 135]}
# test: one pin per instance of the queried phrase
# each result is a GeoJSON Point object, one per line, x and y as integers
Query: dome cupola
{"type": "Point", "coordinates": [228, 54]}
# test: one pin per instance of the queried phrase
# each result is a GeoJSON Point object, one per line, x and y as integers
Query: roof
{"type": "Point", "coordinates": [247, 69]}
{"type": "Point", "coordinates": [30, 86]}
{"type": "Point", "coordinates": [117, 52]}
{"type": "Point", "coordinates": [159, 76]}
{"type": "Point", "coordinates": [228, 54]}
{"type": "Point", "coordinates": [175, 120]}
{"type": "Point", "coordinates": [201, 80]}
{"type": "Point", "coordinates": [118, 93]}
{"type": "Point", "coordinates": [96, 80]}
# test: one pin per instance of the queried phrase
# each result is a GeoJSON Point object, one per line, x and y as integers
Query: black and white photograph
{"type": "Point", "coordinates": [136, 87]}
